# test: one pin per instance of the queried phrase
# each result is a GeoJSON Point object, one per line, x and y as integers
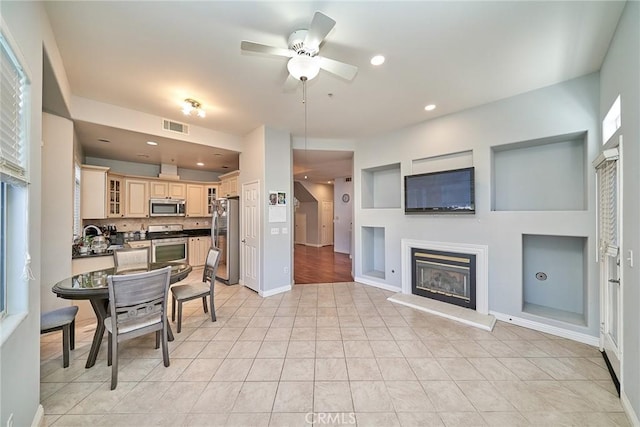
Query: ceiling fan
{"type": "Point", "coordinates": [303, 48]}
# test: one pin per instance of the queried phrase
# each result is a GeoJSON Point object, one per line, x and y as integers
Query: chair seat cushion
{"type": "Point", "coordinates": [190, 290]}
{"type": "Point", "coordinates": [58, 318]}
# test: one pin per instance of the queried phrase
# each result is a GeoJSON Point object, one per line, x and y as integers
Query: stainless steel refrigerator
{"type": "Point", "coordinates": [225, 235]}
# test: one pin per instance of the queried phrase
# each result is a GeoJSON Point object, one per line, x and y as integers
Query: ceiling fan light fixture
{"type": "Point", "coordinates": [303, 66]}
{"type": "Point", "coordinates": [190, 106]}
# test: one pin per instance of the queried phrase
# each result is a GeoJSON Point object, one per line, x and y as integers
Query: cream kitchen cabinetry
{"type": "Point", "coordinates": [196, 200]}
{"type": "Point", "coordinates": [198, 247]}
{"type": "Point", "coordinates": [229, 184]}
{"type": "Point", "coordinates": [211, 193]}
{"type": "Point", "coordinates": [137, 196]}
{"type": "Point", "coordinates": [93, 187]}
{"type": "Point", "coordinates": [115, 196]}
{"type": "Point", "coordinates": [164, 189]}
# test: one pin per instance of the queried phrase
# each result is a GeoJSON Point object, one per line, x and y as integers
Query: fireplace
{"type": "Point", "coordinates": [445, 276]}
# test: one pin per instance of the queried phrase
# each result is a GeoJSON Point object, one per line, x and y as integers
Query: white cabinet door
{"type": "Point", "coordinates": [158, 190]}
{"type": "Point", "coordinates": [93, 188]}
{"type": "Point", "coordinates": [195, 200]}
{"type": "Point", "coordinates": [137, 193]}
{"type": "Point", "coordinates": [177, 190]}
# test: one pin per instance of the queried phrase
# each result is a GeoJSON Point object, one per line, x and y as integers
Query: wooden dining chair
{"type": "Point", "coordinates": [189, 291]}
{"type": "Point", "coordinates": [138, 306]}
{"type": "Point", "coordinates": [131, 259]}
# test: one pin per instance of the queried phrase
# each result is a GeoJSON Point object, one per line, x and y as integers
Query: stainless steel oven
{"type": "Point", "coordinates": [169, 249]}
{"type": "Point", "coordinates": [168, 243]}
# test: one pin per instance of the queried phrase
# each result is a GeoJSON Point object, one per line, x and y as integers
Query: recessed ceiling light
{"type": "Point", "coordinates": [305, 177]}
{"type": "Point", "coordinates": [200, 164]}
{"type": "Point", "coordinates": [430, 107]}
{"type": "Point", "coordinates": [152, 143]}
{"type": "Point", "coordinates": [103, 140]}
{"type": "Point", "coordinates": [377, 60]}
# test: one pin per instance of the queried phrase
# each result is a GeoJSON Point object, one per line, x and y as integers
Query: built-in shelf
{"type": "Point", "coordinates": [373, 247]}
{"type": "Point", "coordinates": [547, 174]}
{"type": "Point", "coordinates": [555, 277]}
{"type": "Point", "coordinates": [381, 187]}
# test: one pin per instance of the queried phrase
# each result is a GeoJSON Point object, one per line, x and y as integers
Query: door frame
{"type": "Point", "coordinates": [612, 352]}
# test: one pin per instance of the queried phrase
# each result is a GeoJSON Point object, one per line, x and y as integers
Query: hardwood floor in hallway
{"type": "Point", "coordinates": [320, 265]}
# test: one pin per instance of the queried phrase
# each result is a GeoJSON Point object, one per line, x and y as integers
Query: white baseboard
{"type": "Point", "coordinates": [628, 409]}
{"type": "Point", "coordinates": [275, 291]}
{"type": "Point", "coordinates": [553, 330]}
{"type": "Point", "coordinates": [366, 281]}
{"type": "Point", "coordinates": [38, 418]}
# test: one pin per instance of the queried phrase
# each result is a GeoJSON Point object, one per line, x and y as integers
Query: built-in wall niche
{"type": "Point", "coordinates": [555, 277]}
{"type": "Point", "coordinates": [381, 187]}
{"type": "Point", "coordinates": [460, 160]}
{"type": "Point", "coordinates": [373, 244]}
{"type": "Point", "coordinates": [546, 174]}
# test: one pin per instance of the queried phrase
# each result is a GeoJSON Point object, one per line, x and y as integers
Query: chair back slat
{"type": "Point", "coordinates": [211, 265]}
{"type": "Point", "coordinates": [139, 296]}
{"type": "Point", "coordinates": [131, 259]}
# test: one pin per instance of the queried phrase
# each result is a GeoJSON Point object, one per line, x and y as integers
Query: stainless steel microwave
{"type": "Point", "coordinates": [167, 207]}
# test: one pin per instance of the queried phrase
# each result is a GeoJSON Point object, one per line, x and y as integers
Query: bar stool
{"type": "Point", "coordinates": [61, 319]}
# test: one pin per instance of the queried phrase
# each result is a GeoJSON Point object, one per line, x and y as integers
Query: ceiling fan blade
{"type": "Point", "coordinates": [263, 48]}
{"type": "Point", "coordinates": [291, 84]}
{"type": "Point", "coordinates": [318, 30]}
{"type": "Point", "coordinates": [346, 71]}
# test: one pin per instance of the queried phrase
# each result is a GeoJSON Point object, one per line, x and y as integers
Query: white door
{"type": "Point", "coordinates": [326, 238]}
{"type": "Point", "coordinates": [609, 228]}
{"type": "Point", "coordinates": [300, 235]}
{"type": "Point", "coordinates": [250, 241]}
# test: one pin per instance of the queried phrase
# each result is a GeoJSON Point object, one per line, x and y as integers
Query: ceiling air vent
{"type": "Point", "coordinates": [172, 126]}
{"type": "Point", "coordinates": [348, 179]}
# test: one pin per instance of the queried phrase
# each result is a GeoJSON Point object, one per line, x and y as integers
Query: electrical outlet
{"type": "Point", "coordinates": [286, 270]}
{"type": "Point", "coordinates": [285, 230]}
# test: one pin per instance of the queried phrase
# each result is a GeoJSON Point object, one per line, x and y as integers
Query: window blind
{"type": "Point", "coordinates": [608, 207]}
{"type": "Point", "coordinates": [13, 167]}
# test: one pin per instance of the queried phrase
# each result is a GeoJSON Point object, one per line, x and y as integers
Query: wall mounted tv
{"type": "Point", "coordinates": [450, 191]}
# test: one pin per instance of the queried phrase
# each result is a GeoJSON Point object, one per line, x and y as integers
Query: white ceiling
{"type": "Point", "coordinates": [149, 56]}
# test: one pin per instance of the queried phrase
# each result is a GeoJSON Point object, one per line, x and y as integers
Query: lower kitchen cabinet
{"type": "Point", "coordinates": [198, 247]}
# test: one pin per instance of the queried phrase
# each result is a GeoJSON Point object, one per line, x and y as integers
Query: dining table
{"type": "Point", "coordinates": [93, 286]}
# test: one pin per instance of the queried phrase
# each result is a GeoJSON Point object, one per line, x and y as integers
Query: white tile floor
{"type": "Point", "coordinates": [330, 354]}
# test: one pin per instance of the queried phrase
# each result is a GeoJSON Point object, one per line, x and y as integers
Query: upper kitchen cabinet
{"type": "Point", "coordinates": [137, 196]}
{"type": "Point", "coordinates": [164, 189]}
{"type": "Point", "coordinates": [93, 185]}
{"type": "Point", "coordinates": [115, 196]}
{"type": "Point", "coordinates": [229, 184]}
{"type": "Point", "coordinates": [211, 194]}
{"type": "Point", "coordinates": [177, 190]}
{"type": "Point", "coordinates": [196, 200]}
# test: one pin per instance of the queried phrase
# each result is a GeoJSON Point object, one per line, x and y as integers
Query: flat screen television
{"type": "Point", "coordinates": [450, 191]}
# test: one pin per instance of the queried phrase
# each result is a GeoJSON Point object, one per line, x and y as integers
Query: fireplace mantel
{"type": "Point", "coordinates": [482, 266]}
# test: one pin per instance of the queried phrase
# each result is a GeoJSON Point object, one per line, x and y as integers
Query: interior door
{"type": "Point", "coordinates": [250, 241]}
{"type": "Point", "coordinates": [326, 238]}
{"type": "Point", "coordinates": [611, 286]}
{"type": "Point", "coordinates": [300, 235]}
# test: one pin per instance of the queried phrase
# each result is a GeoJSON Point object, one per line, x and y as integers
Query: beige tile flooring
{"type": "Point", "coordinates": [330, 354]}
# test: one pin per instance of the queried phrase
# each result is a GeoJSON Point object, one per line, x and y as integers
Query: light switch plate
{"type": "Point", "coordinates": [275, 230]}
{"type": "Point", "coordinates": [285, 230]}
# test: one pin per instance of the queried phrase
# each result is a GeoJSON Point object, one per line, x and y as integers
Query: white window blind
{"type": "Point", "coordinates": [77, 225]}
{"type": "Point", "coordinates": [13, 164]}
{"type": "Point", "coordinates": [608, 207]}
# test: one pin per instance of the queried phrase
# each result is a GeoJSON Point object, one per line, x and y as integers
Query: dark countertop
{"type": "Point", "coordinates": [92, 255]}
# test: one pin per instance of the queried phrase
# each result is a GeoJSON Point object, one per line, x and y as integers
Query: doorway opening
{"type": "Point", "coordinates": [323, 216]}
